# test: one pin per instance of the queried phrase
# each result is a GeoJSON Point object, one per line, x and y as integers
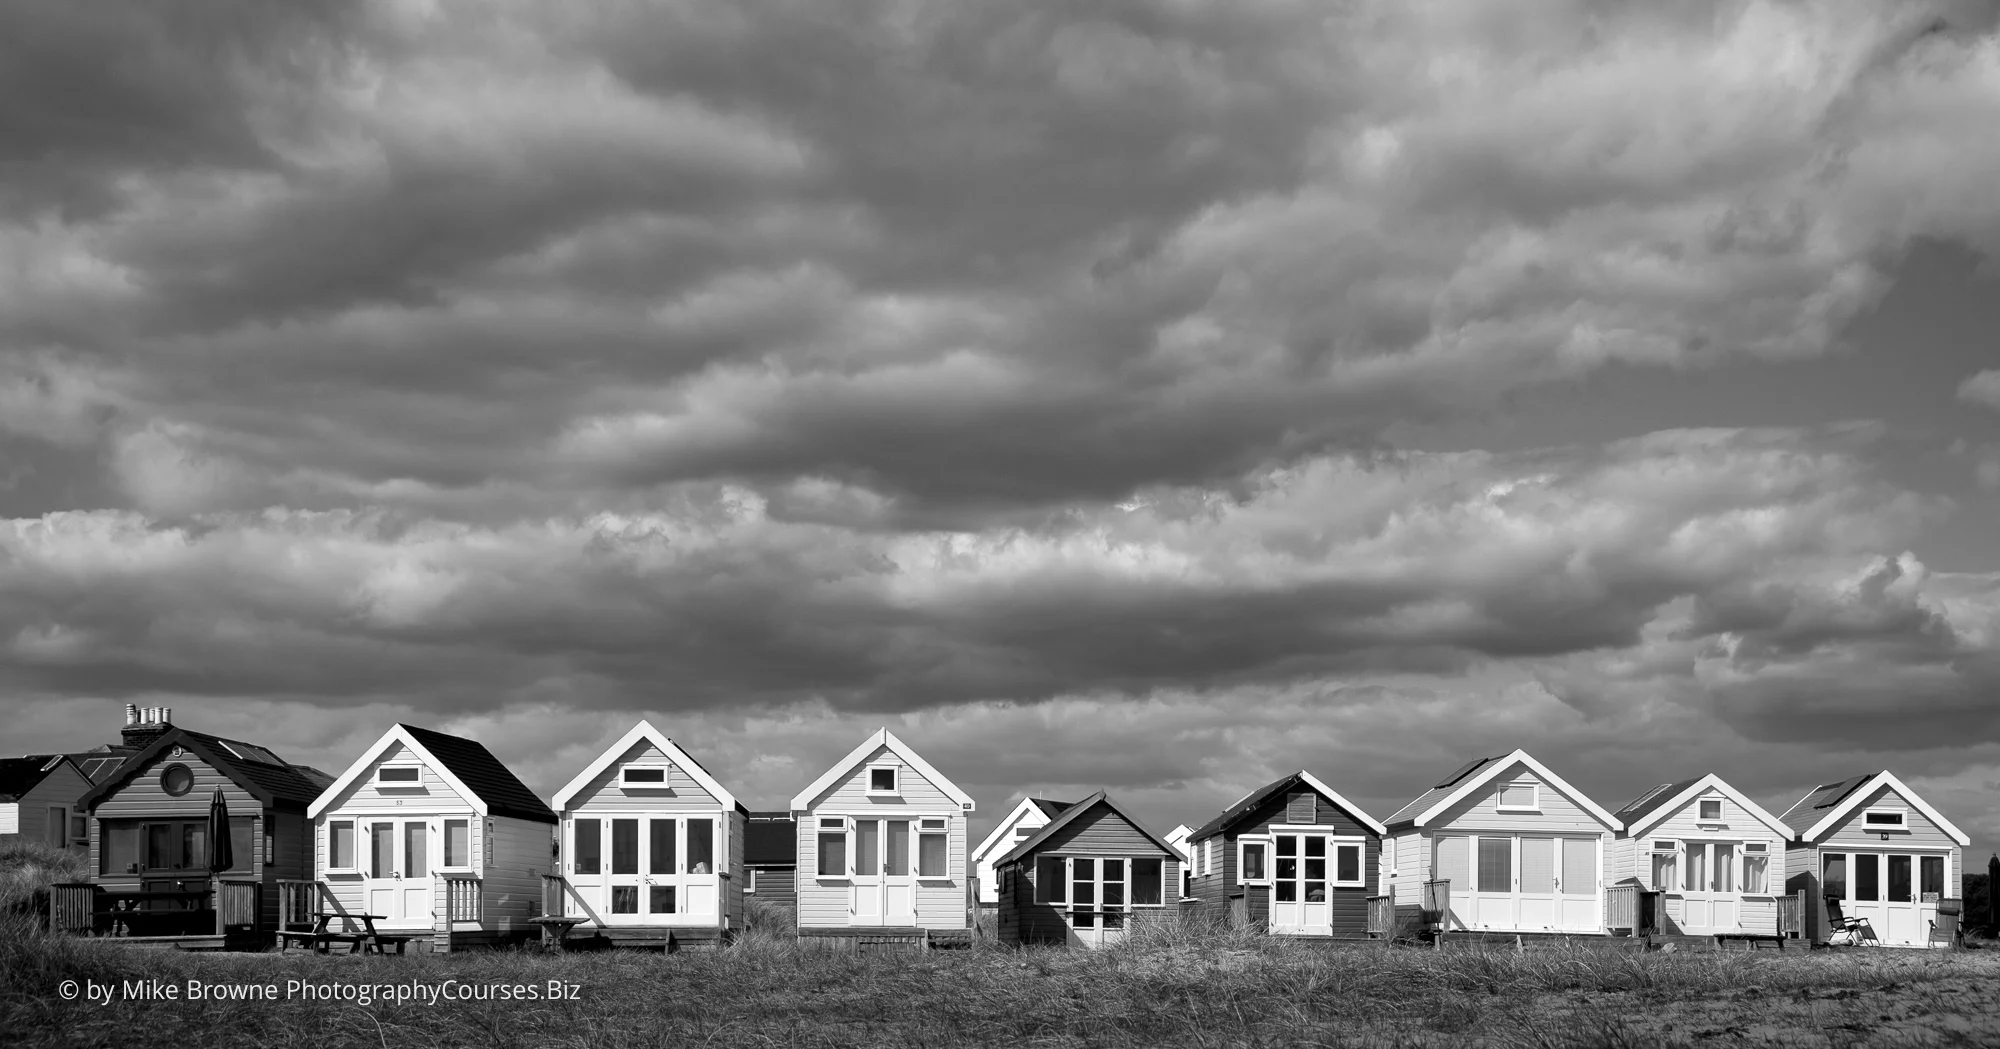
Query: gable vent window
{"type": "Point", "coordinates": [1299, 809]}
{"type": "Point", "coordinates": [645, 776]}
{"type": "Point", "coordinates": [882, 779]}
{"type": "Point", "coordinates": [1524, 796]}
{"type": "Point", "coordinates": [1711, 809]}
{"type": "Point", "coordinates": [1884, 819]}
{"type": "Point", "coordinates": [399, 777]}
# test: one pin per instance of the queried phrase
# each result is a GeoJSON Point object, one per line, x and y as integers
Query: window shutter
{"type": "Point", "coordinates": [1299, 809]}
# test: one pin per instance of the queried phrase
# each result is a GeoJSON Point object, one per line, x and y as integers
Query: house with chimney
{"type": "Point", "coordinates": [148, 826]}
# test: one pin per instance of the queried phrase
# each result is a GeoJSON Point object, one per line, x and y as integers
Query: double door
{"type": "Point", "coordinates": [1529, 883]}
{"type": "Point", "coordinates": [1304, 868]}
{"type": "Point", "coordinates": [1896, 892]}
{"type": "Point", "coordinates": [397, 876]}
{"type": "Point", "coordinates": [646, 869]}
{"type": "Point", "coordinates": [1711, 899]}
{"type": "Point", "coordinates": [884, 874]}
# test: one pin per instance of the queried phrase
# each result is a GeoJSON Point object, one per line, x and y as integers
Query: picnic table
{"type": "Point", "coordinates": [153, 912]}
{"type": "Point", "coordinates": [320, 938]}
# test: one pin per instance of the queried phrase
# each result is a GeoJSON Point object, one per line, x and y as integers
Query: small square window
{"type": "Point", "coordinates": [882, 779]}
{"type": "Point", "coordinates": [1711, 809]}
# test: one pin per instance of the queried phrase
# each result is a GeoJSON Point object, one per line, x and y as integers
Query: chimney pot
{"type": "Point", "coordinates": [166, 715]}
{"type": "Point", "coordinates": [131, 713]}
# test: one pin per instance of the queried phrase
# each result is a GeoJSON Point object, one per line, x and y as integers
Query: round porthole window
{"type": "Point", "coordinates": [177, 780]}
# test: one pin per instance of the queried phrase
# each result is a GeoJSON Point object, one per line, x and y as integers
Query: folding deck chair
{"type": "Point", "coordinates": [1848, 932]}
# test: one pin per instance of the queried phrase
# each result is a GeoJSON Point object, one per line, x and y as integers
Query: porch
{"type": "Point", "coordinates": [214, 914]}
{"type": "Point", "coordinates": [458, 922]}
{"type": "Point", "coordinates": [1424, 920]}
{"type": "Point", "coordinates": [586, 932]}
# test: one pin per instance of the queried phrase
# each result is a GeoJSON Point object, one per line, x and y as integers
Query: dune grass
{"type": "Point", "coordinates": [1191, 986]}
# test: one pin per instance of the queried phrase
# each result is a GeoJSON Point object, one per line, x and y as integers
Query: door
{"type": "Point", "coordinates": [1451, 862]}
{"type": "Point", "coordinates": [1897, 893]}
{"type": "Point", "coordinates": [396, 884]}
{"type": "Point", "coordinates": [645, 870]}
{"type": "Point", "coordinates": [885, 886]}
{"type": "Point", "coordinates": [1536, 906]}
{"type": "Point", "coordinates": [623, 884]}
{"type": "Point", "coordinates": [1300, 890]}
{"type": "Point", "coordinates": [697, 883]}
{"type": "Point", "coordinates": [1711, 900]}
{"type": "Point", "coordinates": [867, 908]}
{"type": "Point", "coordinates": [1493, 883]}
{"type": "Point", "coordinates": [1097, 901]}
{"type": "Point", "coordinates": [586, 868]}
{"type": "Point", "coordinates": [1577, 897]}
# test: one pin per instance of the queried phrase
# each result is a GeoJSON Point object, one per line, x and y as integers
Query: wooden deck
{"type": "Point", "coordinates": [859, 938]}
{"type": "Point", "coordinates": [671, 938]}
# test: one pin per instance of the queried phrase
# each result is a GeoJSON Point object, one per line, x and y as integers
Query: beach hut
{"type": "Point", "coordinates": [1292, 858]}
{"type": "Point", "coordinates": [1716, 858]}
{"type": "Point", "coordinates": [1087, 877]}
{"type": "Point", "coordinates": [1870, 849]}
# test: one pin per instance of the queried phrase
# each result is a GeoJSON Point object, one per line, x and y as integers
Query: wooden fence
{"type": "Point", "coordinates": [1792, 915]}
{"type": "Point", "coordinates": [463, 898]}
{"type": "Point", "coordinates": [1382, 916]}
{"type": "Point", "coordinates": [72, 907]}
{"type": "Point", "coordinates": [553, 888]}
{"type": "Point", "coordinates": [237, 904]}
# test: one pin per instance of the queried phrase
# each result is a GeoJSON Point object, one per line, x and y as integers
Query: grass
{"type": "Point", "coordinates": [1187, 986]}
{"type": "Point", "coordinates": [27, 870]}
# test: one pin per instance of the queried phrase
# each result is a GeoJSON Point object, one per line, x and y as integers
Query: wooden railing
{"type": "Point", "coordinates": [236, 904]}
{"type": "Point", "coordinates": [72, 907]}
{"type": "Point", "coordinates": [1381, 916]}
{"type": "Point", "coordinates": [462, 898]}
{"type": "Point", "coordinates": [553, 889]}
{"type": "Point", "coordinates": [1621, 908]}
{"type": "Point", "coordinates": [299, 901]}
{"type": "Point", "coordinates": [1792, 915]}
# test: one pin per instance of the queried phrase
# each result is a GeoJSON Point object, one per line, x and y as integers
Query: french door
{"type": "Point", "coordinates": [645, 869]}
{"type": "Point", "coordinates": [1897, 892]}
{"type": "Point", "coordinates": [1530, 882]}
{"type": "Point", "coordinates": [1097, 901]}
{"type": "Point", "coordinates": [1711, 899]}
{"type": "Point", "coordinates": [396, 882]}
{"type": "Point", "coordinates": [1304, 870]}
{"type": "Point", "coordinates": [884, 881]}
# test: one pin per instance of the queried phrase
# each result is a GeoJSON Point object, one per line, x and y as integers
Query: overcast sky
{"type": "Point", "coordinates": [1156, 396]}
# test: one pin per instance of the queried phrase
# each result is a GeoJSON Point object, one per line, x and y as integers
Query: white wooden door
{"type": "Point", "coordinates": [624, 886]}
{"type": "Point", "coordinates": [1097, 901]}
{"type": "Point", "coordinates": [899, 883]}
{"type": "Point", "coordinates": [1536, 902]}
{"type": "Point", "coordinates": [584, 852]}
{"type": "Point", "coordinates": [867, 881]}
{"type": "Point", "coordinates": [1577, 899]}
{"type": "Point", "coordinates": [396, 884]}
{"type": "Point", "coordinates": [1711, 900]}
{"type": "Point", "coordinates": [1889, 889]}
{"type": "Point", "coordinates": [698, 878]}
{"type": "Point", "coordinates": [1451, 861]}
{"type": "Point", "coordinates": [1493, 875]}
{"type": "Point", "coordinates": [1300, 887]}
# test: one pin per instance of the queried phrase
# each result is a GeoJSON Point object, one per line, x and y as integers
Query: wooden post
{"type": "Point", "coordinates": [1993, 895]}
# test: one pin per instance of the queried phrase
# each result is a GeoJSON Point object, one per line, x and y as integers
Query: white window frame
{"type": "Point", "coordinates": [1902, 821]}
{"type": "Point", "coordinates": [1534, 805]}
{"type": "Point", "coordinates": [665, 781]}
{"type": "Point", "coordinates": [1672, 848]}
{"type": "Point", "coordinates": [1761, 850]}
{"type": "Point", "coordinates": [1208, 866]}
{"type": "Point", "coordinates": [826, 825]}
{"type": "Point", "coordinates": [895, 781]}
{"type": "Point", "coordinates": [1261, 841]}
{"type": "Point", "coordinates": [444, 844]}
{"type": "Point", "coordinates": [750, 881]}
{"type": "Point", "coordinates": [1131, 896]}
{"type": "Point", "coordinates": [1336, 842]}
{"type": "Point", "coordinates": [383, 783]}
{"type": "Point", "coordinates": [925, 829]}
{"type": "Point", "coordinates": [353, 864]}
{"type": "Point", "coordinates": [1701, 817]}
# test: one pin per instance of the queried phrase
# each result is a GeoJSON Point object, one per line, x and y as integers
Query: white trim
{"type": "Point", "coordinates": [644, 730]}
{"type": "Point", "coordinates": [1901, 826]}
{"type": "Point", "coordinates": [806, 798]}
{"type": "Point", "coordinates": [1493, 770]}
{"type": "Point", "coordinates": [1878, 781]}
{"type": "Point", "coordinates": [895, 789]}
{"type": "Point", "coordinates": [1534, 805]}
{"type": "Point", "coordinates": [443, 847]}
{"type": "Point", "coordinates": [373, 754]}
{"type": "Point", "coordinates": [1009, 822]}
{"type": "Point", "coordinates": [1262, 841]}
{"type": "Point", "coordinates": [1695, 791]}
{"type": "Point", "coordinates": [353, 844]}
{"type": "Point", "coordinates": [1352, 809]}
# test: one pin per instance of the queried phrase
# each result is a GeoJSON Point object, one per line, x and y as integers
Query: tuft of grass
{"type": "Point", "coordinates": [27, 869]}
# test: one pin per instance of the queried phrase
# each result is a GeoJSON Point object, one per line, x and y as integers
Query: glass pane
{"type": "Point", "coordinates": [1288, 845]}
{"type": "Point", "coordinates": [1113, 870]}
{"type": "Point", "coordinates": [340, 844]}
{"type": "Point", "coordinates": [881, 779]}
{"type": "Point", "coordinates": [242, 843]}
{"type": "Point", "coordinates": [1899, 879]}
{"type": "Point", "coordinates": [624, 899]}
{"type": "Point", "coordinates": [701, 846]}
{"type": "Point", "coordinates": [1725, 867]}
{"type": "Point", "coordinates": [1146, 881]}
{"type": "Point", "coordinates": [1114, 894]}
{"type": "Point", "coordinates": [930, 855]}
{"type": "Point", "coordinates": [1496, 864]}
{"type": "Point", "coordinates": [1579, 866]}
{"type": "Point", "coordinates": [1083, 919]}
{"type": "Point", "coordinates": [1253, 861]}
{"type": "Point", "coordinates": [1348, 863]}
{"type": "Point", "coordinates": [1867, 878]}
{"type": "Point", "coordinates": [160, 845]}
{"type": "Point", "coordinates": [119, 846]}
{"type": "Point", "coordinates": [1756, 873]}
{"type": "Point", "coordinates": [1933, 875]}
{"type": "Point", "coordinates": [458, 844]}
{"type": "Point", "coordinates": [1285, 890]}
{"type": "Point", "coordinates": [1664, 869]}
{"type": "Point", "coordinates": [589, 853]}
{"type": "Point", "coordinates": [1083, 882]}
{"type": "Point", "coordinates": [1114, 920]}
{"type": "Point", "coordinates": [899, 848]}
{"type": "Point", "coordinates": [661, 899]}
{"type": "Point", "coordinates": [867, 847]}
{"type": "Point", "coordinates": [832, 855]}
{"type": "Point", "coordinates": [1288, 868]}
{"type": "Point", "coordinates": [1316, 868]}
{"type": "Point", "coordinates": [1697, 872]}
{"type": "Point", "coordinates": [624, 846]}
{"type": "Point", "coordinates": [660, 849]}
{"type": "Point", "coordinates": [1833, 875]}
{"type": "Point", "coordinates": [1315, 846]}
{"type": "Point", "coordinates": [416, 850]}
{"type": "Point", "coordinates": [1050, 880]}
{"type": "Point", "coordinates": [382, 850]}
{"type": "Point", "coordinates": [1315, 892]}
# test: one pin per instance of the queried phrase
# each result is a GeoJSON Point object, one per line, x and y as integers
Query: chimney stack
{"type": "Point", "coordinates": [142, 727]}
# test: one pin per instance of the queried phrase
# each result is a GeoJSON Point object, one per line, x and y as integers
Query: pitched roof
{"type": "Point", "coordinates": [644, 732]}
{"type": "Point", "coordinates": [1406, 816]}
{"type": "Point", "coordinates": [1001, 837]}
{"type": "Point", "coordinates": [1050, 808]}
{"type": "Point", "coordinates": [1477, 774]}
{"type": "Point", "coordinates": [1813, 807]}
{"type": "Point", "coordinates": [1071, 815]}
{"type": "Point", "coordinates": [1255, 799]}
{"type": "Point", "coordinates": [483, 774]}
{"type": "Point", "coordinates": [881, 738]}
{"type": "Point", "coordinates": [18, 776]}
{"type": "Point", "coordinates": [263, 774]}
{"type": "Point", "coordinates": [1637, 809]}
{"type": "Point", "coordinates": [771, 839]}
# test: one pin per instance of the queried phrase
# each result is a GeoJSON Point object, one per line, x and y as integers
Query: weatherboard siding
{"type": "Point", "coordinates": [828, 902]}
{"type": "Point", "coordinates": [1412, 852]}
{"type": "Point", "coordinates": [604, 795]}
{"type": "Point", "coordinates": [735, 879]}
{"type": "Point", "coordinates": [1559, 814]}
{"type": "Point", "coordinates": [1031, 819]}
{"type": "Point", "coordinates": [430, 794]}
{"type": "Point", "coordinates": [1922, 833]}
{"type": "Point", "coordinates": [517, 855]}
{"type": "Point", "coordinates": [912, 789]}
{"type": "Point", "coordinates": [140, 796]}
{"type": "Point", "coordinates": [1099, 832]}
